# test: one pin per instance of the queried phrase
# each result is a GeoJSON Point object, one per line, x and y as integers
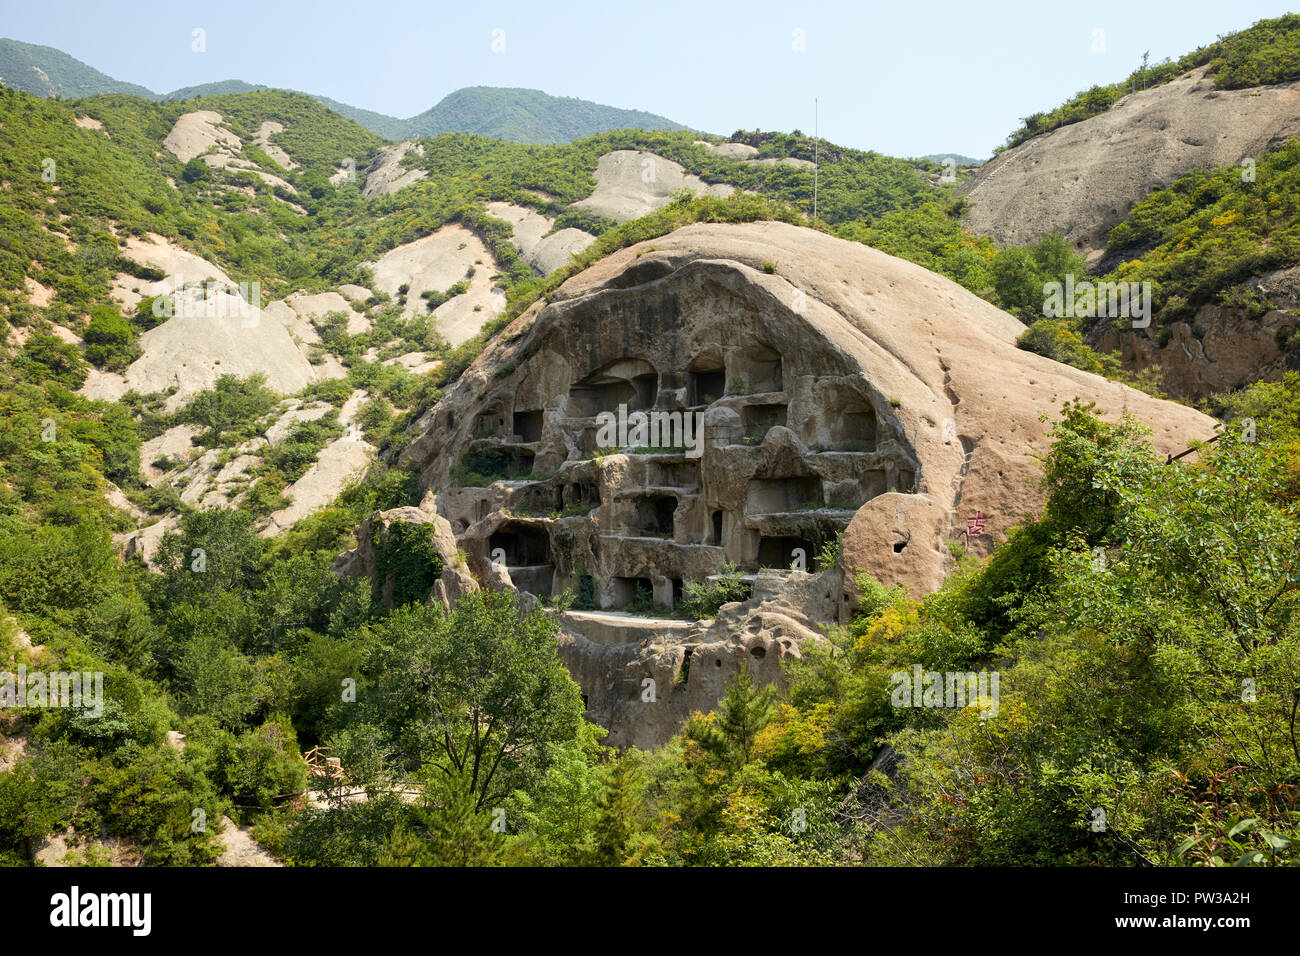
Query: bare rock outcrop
{"type": "Point", "coordinates": [215, 326]}
{"type": "Point", "coordinates": [1082, 179]}
{"type": "Point", "coordinates": [846, 389]}
{"type": "Point", "coordinates": [748, 154]}
{"type": "Point", "coordinates": [632, 183]}
{"type": "Point", "coordinates": [386, 175]}
{"type": "Point", "coordinates": [201, 134]}
{"type": "Point", "coordinates": [455, 579]}
{"type": "Point", "coordinates": [1221, 349]}
{"type": "Point", "coordinates": [643, 677]}
{"type": "Point", "coordinates": [238, 848]}
{"type": "Point", "coordinates": [263, 142]}
{"type": "Point", "coordinates": [436, 263]}
{"type": "Point", "coordinates": [542, 249]}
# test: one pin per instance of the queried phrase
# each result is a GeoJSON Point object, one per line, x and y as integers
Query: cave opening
{"type": "Point", "coordinates": [779, 552]}
{"type": "Point", "coordinates": [778, 495]}
{"type": "Point", "coordinates": [759, 418]}
{"type": "Point", "coordinates": [706, 385]}
{"type": "Point", "coordinates": [588, 401]}
{"type": "Point", "coordinates": [524, 546]}
{"type": "Point", "coordinates": [852, 428]}
{"type": "Point", "coordinates": [633, 592]}
{"type": "Point", "coordinates": [627, 381]}
{"type": "Point", "coordinates": [528, 425]}
{"type": "Point", "coordinates": [653, 517]}
{"type": "Point", "coordinates": [489, 424]}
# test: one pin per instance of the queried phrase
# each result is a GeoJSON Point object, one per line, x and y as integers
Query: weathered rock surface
{"type": "Point", "coordinates": [263, 142]}
{"type": "Point", "coordinates": [324, 303]}
{"type": "Point", "coordinates": [543, 252]}
{"type": "Point", "coordinates": [455, 579]}
{"type": "Point", "coordinates": [1221, 349]}
{"type": "Point", "coordinates": [176, 444]}
{"type": "Point", "coordinates": [849, 390]}
{"type": "Point", "coordinates": [181, 266]}
{"type": "Point", "coordinates": [435, 263]}
{"type": "Point", "coordinates": [1281, 287]}
{"type": "Point", "coordinates": [70, 848]}
{"type": "Point", "coordinates": [1082, 179]}
{"type": "Point", "coordinates": [339, 463]}
{"type": "Point", "coordinates": [643, 677]}
{"type": "Point", "coordinates": [386, 175]}
{"type": "Point", "coordinates": [201, 134]}
{"type": "Point", "coordinates": [748, 154]}
{"type": "Point", "coordinates": [211, 333]}
{"type": "Point", "coordinates": [143, 543]}
{"type": "Point", "coordinates": [215, 330]}
{"type": "Point", "coordinates": [195, 133]}
{"type": "Point", "coordinates": [632, 183]}
{"type": "Point", "coordinates": [238, 848]}
{"type": "Point", "coordinates": [730, 150]}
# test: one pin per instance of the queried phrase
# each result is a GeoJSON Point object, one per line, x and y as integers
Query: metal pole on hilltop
{"type": "Point", "coordinates": [816, 154]}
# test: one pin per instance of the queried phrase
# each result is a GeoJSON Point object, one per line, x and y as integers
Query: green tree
{"type": "Point", "coordinates": [110, 340]}
{"type": "Point", "coordinates": [744, 710]}
{"type": "Point", "coordinates": [230, 402]}
{"type": "Point", "coordinates": [213, 552]}
{"type": "Point", "coordinates": [479, 693]}
{"type": "Point", "coordinates": [617, 836]}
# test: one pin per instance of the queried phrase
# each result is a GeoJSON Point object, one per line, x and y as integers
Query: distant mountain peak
{"type": "Point", "coordinates": [508, 113]}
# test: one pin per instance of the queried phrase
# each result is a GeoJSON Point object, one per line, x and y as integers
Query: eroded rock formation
{"type": "Point", "coordinates": [837, 388]}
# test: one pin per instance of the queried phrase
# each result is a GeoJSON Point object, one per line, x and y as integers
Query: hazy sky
{"type": "Point", "coordinates": [904, 78]}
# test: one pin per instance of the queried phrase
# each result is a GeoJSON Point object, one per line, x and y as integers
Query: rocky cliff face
{"type": "Point", "coordinates": [835, 389]}
{"type": "Point", "coordinates": [1082, 179]}
{"type": "Point", "coordinates": [1221, 349]}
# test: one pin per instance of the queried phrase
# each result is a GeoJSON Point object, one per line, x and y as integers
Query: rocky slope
{"type": "Point", "coordinates": [1082, 179]}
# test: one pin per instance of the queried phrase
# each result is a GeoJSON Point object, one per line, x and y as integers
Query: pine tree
{"type": "Point", "coordinates": [743, 711]}
{"type": "Point", "coordinates": [615, 830]}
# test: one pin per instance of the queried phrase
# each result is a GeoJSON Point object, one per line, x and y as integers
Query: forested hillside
{"type": "Point", "coordinates": [513, 115]}
{"type": "Point", "coordinates": [1142, 623]}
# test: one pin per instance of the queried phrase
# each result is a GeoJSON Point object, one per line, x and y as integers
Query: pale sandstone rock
{"type": "Point", "coordinates": [632, 183]}
{"type": "Point", "coordinates": [437, 262]}
{"type": "Point", "coordinates": [339, 463]}
{"type": "Point", "coordinates": [543, 252]}
{"type": "Point", "coordinates": [1082, 179]}
{"type": "Point", "coordinates": [354, 293]}
{"type": "Point", "coordinates": [144, 541]}
{"type": "Point", "coordinates": [730, 150]}
{"type": "Point", "coordinates": [263, 142]}
{"type": "Point", "coordinates": [322, 304]}
{"type": "Point", "coordinates": [849, 390]}
{"type": "Point", "coordinates": [238, 848]}
{"type": "Point", "coordinates": [38, 295]}
{"type": "Point", "coordinates": [386, 175]}
{"type": "Point", "coordinates": [195, 133]}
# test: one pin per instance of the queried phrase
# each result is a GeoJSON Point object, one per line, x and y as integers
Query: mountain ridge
{"type": "Point", "coordinates": [514, 114]}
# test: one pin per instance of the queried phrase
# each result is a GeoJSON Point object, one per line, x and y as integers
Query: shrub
{"type": "Point", "coordinates": [110, 339]}
{"type": "Point", "coordinates": [702, 599]}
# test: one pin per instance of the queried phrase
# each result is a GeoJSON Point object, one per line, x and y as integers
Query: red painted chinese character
{"type": "Point", "coordinates": [975, 524]}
